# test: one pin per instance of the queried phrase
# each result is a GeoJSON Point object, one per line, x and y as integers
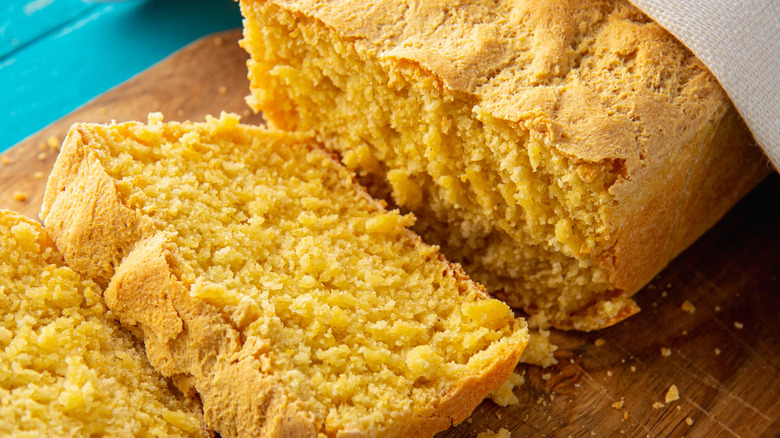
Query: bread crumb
{"type": "Point", "coordinates": [672, 394]}
{"type": "Point", "coordinates": [664, 294]}
{"type": "Point", "coordinates": [666, 352]}
{"type": "Point", "coordinates": [609, 373]}
{"type": "Point", "coordinates": [42, 156]}
{"type": "Point", "coordinates": [633, 369]}
{"type": "Point", "coordinates": [717, 352]}
{"type": "Point", "coordinates": [218, 41]}
{"type": "Point", "coordinates": [738, 325]}
{"type": "Point", "coordinates": [625, 415]}
{"type": "Point", "coordinates": [469, 420]}
{"type": "Point", "coordinates": [38, 175]}
{"type": "Point", "coordinates": [539, 350]}
{"type": "Point", "coordinates": [658, 405]}
{"type": "Point", "coordinates": [53, 142]}
{"type": "Point", "coordinates": [688, 306]}
{"type": "Point", "coordinates": [618, 404]}
{"type": "Point", "coordinates": [222, 89]}
{"type": "Point", "coordinates": [599, 342]}
{"type": "Point", "coordinates": [546, 376]}
{"type": "Point", "coordinates": [5, 160]}
{"type": "Point", "coordinates": [43, 146]}
{"type": "Point", "coordinates": [504, 394]}
{"type": "Point", "coordinates": [502, 433]}
{"type": "Point", "coordinates": [20, 196]}
{"type": "Point", "coordinates": [689, 421]}
{"type": "Point", "coordinates": [717, 308]}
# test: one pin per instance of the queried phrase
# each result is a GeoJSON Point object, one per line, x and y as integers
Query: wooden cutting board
{"type": "Point", "coordinates": [722, 353]}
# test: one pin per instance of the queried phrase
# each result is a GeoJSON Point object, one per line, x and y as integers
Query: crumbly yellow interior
{"type": "Point", "coordinates": [364, 323]}
{"type": "Point", "coordinates": [524, 220]}
{"type": "Point", "coordinates": [66, 368]}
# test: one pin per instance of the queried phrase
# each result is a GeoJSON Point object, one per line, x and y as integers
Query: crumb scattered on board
{"type": "Point", "coordinates": [717, 352]}
{"type": "Point", "coordinates": [502, 433]}
{"type": "Point", "coordinates": [666, 352]}
{"type": "Point", "coordinates": [38, 175]}
{"type": "Point", "coordinates": [618, 404]}
{"type": "Point", "coordinates": [658, 405]}
{"type": "Point", "coordinates": [53, 142]}
{"type": "Point", "coordinates": [6, 161]}
{"type": "Point", "coordinates": [672, 394]}
{"type": "Point", "coordinates": [222, 89]}
{"type": "Point", "coordinates": [599, 342]}
{"type": "Point", "coordinates": [504, 394]}
{"type": "Point", "coordinates": [539, 350]}
{"type": "Point", "coordinates": [688, 306]}
{"type": "Point", "coordinates": [689, 421]}
{"type": "Point", "coordinates": [20, 196]}
{"type": "Point", "coordinates": [738, 325]}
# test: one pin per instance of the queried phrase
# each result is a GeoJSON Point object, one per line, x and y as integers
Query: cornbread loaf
{"type": "Point", "coordinates": [563, 151]}
{"type": "Point", "coordinates": [264, 278]}
{"type": "Point", "coordinates": [66, 367]}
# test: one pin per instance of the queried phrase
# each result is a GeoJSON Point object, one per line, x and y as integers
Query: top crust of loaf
{"type": "Point", "coordinates": [564, 69]}
{"type": "Point", "coordinates": [190, 339]}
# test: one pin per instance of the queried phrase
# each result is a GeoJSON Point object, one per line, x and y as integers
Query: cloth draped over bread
{"type": "Point", "coordinates": [739, 43]}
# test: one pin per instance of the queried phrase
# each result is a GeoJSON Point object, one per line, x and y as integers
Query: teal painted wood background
{"type": "Point", "coordinates": [55, 55]}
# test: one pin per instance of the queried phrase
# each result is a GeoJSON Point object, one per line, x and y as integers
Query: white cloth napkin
{"type": "Point", "coordinates": [739, 40]}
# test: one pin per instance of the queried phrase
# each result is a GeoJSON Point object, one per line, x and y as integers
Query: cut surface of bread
{"type": "Point", "coordinates": [562, 151]}
{"type": "Point", "coordinates": [263, 277]}
{"type": "Point", "coordinates": [66, 367]}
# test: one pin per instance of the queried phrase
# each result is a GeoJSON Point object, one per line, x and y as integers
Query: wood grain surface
{"type": "Point", "coordinates": [722, 352]}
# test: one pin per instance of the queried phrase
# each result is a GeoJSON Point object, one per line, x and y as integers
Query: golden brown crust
{"type": "Point", "coordinates": [598, 82]}
{"type": "Point", "coordinates": [190, 340]}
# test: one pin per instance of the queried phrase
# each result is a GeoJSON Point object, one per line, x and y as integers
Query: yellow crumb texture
{"type": "Point", "coordinates": [502, 433]}
{"type": "Point", "coordinates": [540, 350]}
{"type": "Point", "coordinates": [527, 154]}
{"type": "Point", "coordinates": [504, 395]}
{"type": "Point", "coordinates": [66, 368]}
{"type": "Point", "coordinates": [293, 302]}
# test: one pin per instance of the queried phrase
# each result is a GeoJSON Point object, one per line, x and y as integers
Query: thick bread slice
{"type": "Point", "coordinates": [66, 366]}
{"type": "Point", "coordinates": [562, 150]}
{"type": "Point", "coordinates": [261, 276]}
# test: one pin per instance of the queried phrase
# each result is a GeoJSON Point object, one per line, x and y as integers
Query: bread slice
{"type": "Point", "coordinates": [564, 151]}
{"type": "Point", "coordinates": [66, 367]}
{"type": "Point", "coordinates": [263, 277]}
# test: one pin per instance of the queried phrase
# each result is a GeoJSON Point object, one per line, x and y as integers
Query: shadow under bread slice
{"type": "Point", "coordinates": [66, 367]}
{"type": "Point", "coordinates": [263, 277]}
